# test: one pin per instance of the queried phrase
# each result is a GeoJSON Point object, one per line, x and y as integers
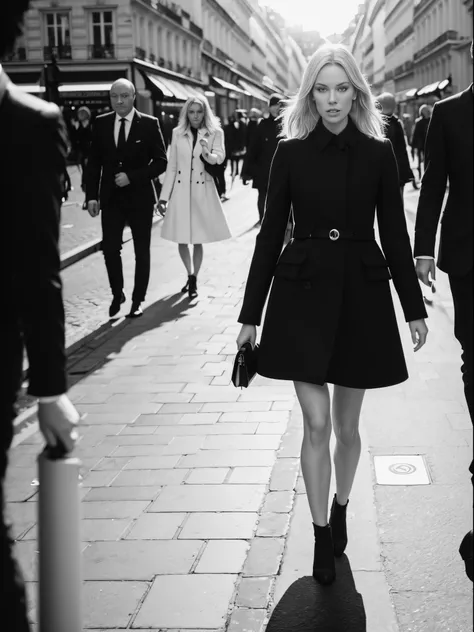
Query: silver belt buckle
{"type": "Point", "coordinates": [334, 234]}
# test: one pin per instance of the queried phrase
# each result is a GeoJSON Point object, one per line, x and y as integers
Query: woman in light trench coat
{"type": "Point", "coordinates": [189, 198]}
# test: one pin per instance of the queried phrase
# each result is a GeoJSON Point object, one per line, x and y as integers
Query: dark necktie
{"type": "Point", "coordinates": [121, 137]}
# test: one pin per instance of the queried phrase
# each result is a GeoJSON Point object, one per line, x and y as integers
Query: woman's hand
{"type": "Point", "coordinates": [419, 331]}
{"type": "Point", "coordinates": [162, 204]}
{"type": "Point", "coordinates": [204, 148]}
{"type": "Point", "coordinates": [248, 333]}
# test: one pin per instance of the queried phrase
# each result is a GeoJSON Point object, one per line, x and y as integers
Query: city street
{"type": "Point", "coordinates": [193, 505]}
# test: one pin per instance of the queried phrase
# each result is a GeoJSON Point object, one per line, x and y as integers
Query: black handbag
{"type": "Point", "coordinates": [245, 365]}
{"type": "Point", "coordinates": [216, 171]}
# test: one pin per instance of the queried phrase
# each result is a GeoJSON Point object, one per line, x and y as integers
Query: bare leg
{"type": "Point", "coordinates": [185, 255]}
{"type": "Point", "coordinates": [315, 458]}
{"type": "Point", "coordinates": [198, 255]}
{"type": "Point", "coordinates": [346, 406]}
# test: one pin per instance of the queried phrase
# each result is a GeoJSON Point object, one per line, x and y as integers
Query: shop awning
{"type": "Point", "coordinates": [79, 89]}
{"type": "Point", "coordinates": [33, 88]}
{"type": "Point", "coordinates": [171, 88]}
{"type": "Point", "coordinates": [410, 94]}
{"type": "Point", "coordinates": [230, 86]}
{"type": "Point", "coordinates": [255, 92]}
{"type": "Point", "coordinates": [431, 88]}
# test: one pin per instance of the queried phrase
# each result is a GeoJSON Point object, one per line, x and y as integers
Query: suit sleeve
{"type": "Point", "coordinates": [433, 187]}
{"type": "Point", "coordinates": [395, 240]}
{"type": "Point", "coordinates": [253, 153]}
{"type": "Point", "coordinates": [38, 263]}
{"type": "Point", "coordinates": [171, 170]}
{"type": "Point", "coordinates": [270, 239]}
{"type": "Point", "coordinates": [94, 164]}
{"type": "Point", "coordinates": [157, 156]}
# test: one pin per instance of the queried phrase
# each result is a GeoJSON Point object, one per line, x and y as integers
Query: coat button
{"type": "Point", "coordinates": [179, 171]}
{"type": "Point", "coordinates": [179, 181]}
{"type": "Point", "coordinates": [200, 173]}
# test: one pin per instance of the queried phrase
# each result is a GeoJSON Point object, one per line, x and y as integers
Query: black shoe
{"type": "Point", "coordinates": [324, 567]}
{"type": "Point", "coordinates": [115, 305]}
{"type": "Point", "coordinates": [185, 288]}
{"type": "Point", "coordinates": [135, 311]}
{"type": "Point", "coordinates": [337, 520]}
{"type": "Point", "coordinates": [192, 286]}
{"type": "Point", "coordinates": [465, 551]}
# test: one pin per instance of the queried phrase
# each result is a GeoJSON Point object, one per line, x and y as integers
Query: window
{"type": "Point", "coordinates": [102, 35]}
{"type": "Point", "coordinates": [57, 29]}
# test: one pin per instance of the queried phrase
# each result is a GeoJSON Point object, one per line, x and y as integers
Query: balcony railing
{"type": "Point", "coordinates": [194, 28]}
{"type": "Point", "coordinates": [18, 55]}
{"type": "Point", "coordinates": [172, 12]}
{"type": "Point", "coordinates": [207, 46]}
{"type": "Point", "coordinates": [221, 54]}
{"type": "Point", "coordinates": [444, 37]}
{"type": "Point", "coordinates": [140, 52]}
{"type": "Point", "coordinates": [403, 68]}
{"type": "Point", "coordinates": [152, 58]}
{"type": "Point", "coordinates": [60, 52]}
{"type": "Point", "coordinates": [101, 51]}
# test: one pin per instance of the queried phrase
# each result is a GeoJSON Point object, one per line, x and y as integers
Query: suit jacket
{"type": "Point", "coordinates": [448, 156]}
{"type": "Point", "coordinates": [143, 160]}
{"type": "Point", "coordinates": [394, 132]}
{"type": "Point", "coordinates": [32, 164]}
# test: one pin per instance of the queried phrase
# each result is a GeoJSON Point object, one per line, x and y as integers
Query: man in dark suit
{"type": "Point", "coordinates": [32, 163]}
{"type": "Point", "coordinates": [127, 152]}
{"type": "Point", "coordinates": [448, 156]}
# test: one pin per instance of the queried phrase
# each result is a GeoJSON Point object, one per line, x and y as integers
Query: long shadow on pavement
{"type": "Point", "coordinates": [309, 607]}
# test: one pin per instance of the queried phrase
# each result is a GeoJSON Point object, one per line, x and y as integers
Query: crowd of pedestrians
{"type": "Point", "coordinates": [313, 156]}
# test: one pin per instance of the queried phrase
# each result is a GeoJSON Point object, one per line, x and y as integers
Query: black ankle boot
{"type": "Point", "coordinates": [192, 286]}
{"type": "Point", "coordinates": [324, 567]}
{"type": "Point", "coordinates": [185, 288]}
{"type": "Point", "coordinates": [337, 520]}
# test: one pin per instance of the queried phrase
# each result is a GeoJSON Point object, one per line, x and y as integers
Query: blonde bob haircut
{"type": "Point", "coordinates": [210, 121]}
{"type": "Point", "coordinates": [301, 116]}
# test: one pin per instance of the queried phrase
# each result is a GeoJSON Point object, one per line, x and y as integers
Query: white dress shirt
{"type": "Point", "coordinates": [128, 124]}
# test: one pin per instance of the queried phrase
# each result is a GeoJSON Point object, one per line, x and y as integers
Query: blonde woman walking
{"type": "Point", "coordinates": [330, 317]}
{"type": "Point", "coordinates": [189, 198]}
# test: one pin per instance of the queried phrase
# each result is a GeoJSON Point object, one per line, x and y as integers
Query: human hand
{"type": "Point", "coordinates": [161, 207]}
{"type": "Point", "coordinates": [419, 332]}
{"type": "Point", "coordinates": [58, 422]}
{"type": "Point", "coordinates": [93, 208]}
{"type": "Point", "coordinates": [121, 179]}
{"type": "Point", "coordinates": [424, 269]}
{"type": "Point", "coordinates": [248, 333]}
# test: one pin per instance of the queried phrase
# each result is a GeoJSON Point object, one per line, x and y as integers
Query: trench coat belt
{"type": "Point", "coordinates": [334, 234]}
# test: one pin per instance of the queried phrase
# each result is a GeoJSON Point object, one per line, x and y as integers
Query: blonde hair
{"type": "Point", "coordinates": [210, 121]}
{"type": "Point", "coordinates": [300, 116]}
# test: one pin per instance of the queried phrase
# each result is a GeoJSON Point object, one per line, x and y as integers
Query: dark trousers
{"type": "Point", "coordinates": [461, 289]}
{"type": "Point", "coordinates": [12, 589]}
{"type": "Point", "coordinates": [114, 220]}
{"type": "Point", "coordinates": [220, 179]}
{"type": "Point", "coordinates": [262, 195]}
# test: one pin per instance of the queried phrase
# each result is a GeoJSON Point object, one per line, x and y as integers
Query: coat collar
{"type": "Point", "coordinates": [347, 138]}
{"type": "Point", "coordinates": [203, 132]}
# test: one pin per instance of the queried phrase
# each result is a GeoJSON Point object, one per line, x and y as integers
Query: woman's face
{"type": "Point", "coordinates": [333, 95]}
{"type": "Point", "coordinates": [195, 115]}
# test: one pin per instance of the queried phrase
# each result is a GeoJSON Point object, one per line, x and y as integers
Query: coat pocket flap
{"type": "Point", "coordinates": [376, 267]}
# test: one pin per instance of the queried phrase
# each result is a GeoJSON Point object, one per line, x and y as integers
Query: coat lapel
{"type": "Point", "coordinates": [134, 133]}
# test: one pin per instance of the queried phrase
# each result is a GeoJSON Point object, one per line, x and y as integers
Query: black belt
{"type": "Point", "coordinates": [334, 234]}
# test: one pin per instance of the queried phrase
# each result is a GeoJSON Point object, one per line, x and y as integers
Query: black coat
{"type": "Point", "coordinates": [32, 161]}
{"type": "Point", "coordinates": [395, 134]}
{"type": "Point", "coordinates": [448, 155]}
{"type": "Point", "coordinates": [330, 316]}
{"type": "Point", "coordinates": [261, 151]}
{"type": "Point", "coordinates": [144, 160]}
{"type": "Point", "coordinates": [420, 130]}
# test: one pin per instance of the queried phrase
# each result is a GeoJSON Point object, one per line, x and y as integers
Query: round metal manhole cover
{"type": "Point", "coordinates": [402, 468]}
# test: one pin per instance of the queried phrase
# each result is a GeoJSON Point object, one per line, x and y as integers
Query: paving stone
{"type": "Point", "coordinates": [209, 498]}
{"type": "Point", "coordinates": [254, 592]}
{"type": "Point", "coordinates": [140, 439]}
{"type": "Point", "coordinates": [139, 407]}
{"type": "Point", "coordinates": [216, 394]}
{"type": "Point", "coordinates": [152, 462]}
{"type": "Point", "coordinates": [135, 430]}
{"type": "Point", "coordinates": [229, 458]}
{"type": "Point", "coordinates": [204, 608]}
{"type": "Point", "coordinates": [284, 474]}
{"type": "Point", "coordinates": [184, 445]}
{"type": "Point", "coordinates": [149, 478]}
{"type": "Point", "coordinates": [122, 493]}
{"type": "Point", "coordinates": [170, 398]}
{"type": "Point", "coordinates": [22, 516]}
{"type": "Point", "coordinates": [277, 427]}
{"type": "Point", "coordinates": [100, 478]}
{"type": "Point", "coordinates": [94, 530]}
{"type": "Point", "coordinates": [223, 556]}
{"type": "Point", "coordinates": [138, 559]}
{"type": "Point", "coordinates": [264, 557]}
{"type": "Point", "coordinates": [127, 417]}
{"type": "Point", "coordinates": [438, 611]}
{"type": "Point", "coordinates": [219, 526]}
{"type": "Point", "coordinates": [139, 450]}
{"type": "Point", "coordinates": [238, 442]}
{"type": "Point", "coordinates": [157, 420]}
{"type": "Point", "coordinates": [207, 476]}
{"type": "Point", "coordinates": [273, 525]}
{"type": "Point", "coordinates": [252, 475]}
{"type": "Point", "coordinates": [235, 407]}
{"type": "Point", "coordinates": [199, 418]}
{"type": "Point", "coordinates": [161, 526]}
{"type": "Point", "coordinates": [247, 620]}
{"type": "Point", "coordinates": [278, 502]}
{"type": "Point", "coordinates": [111, 463]}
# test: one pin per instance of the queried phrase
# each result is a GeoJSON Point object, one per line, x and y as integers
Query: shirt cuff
{"type": "Point", "coordinates": [50, 399]}
{"type": "Point", "coordinates": [424, 257]}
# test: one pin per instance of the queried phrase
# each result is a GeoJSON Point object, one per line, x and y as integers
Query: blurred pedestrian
{"type": "Point", "coordinates": [126, 154]}
{"type": "Point", "coordinates": [330, 297]}
{"type": "Point", "coordinates": [81, 140]}
{"type": "Point", "coordinates": [254, 118]}
{"type": "Point", "coordinates": [32, 161]}
{"type": "Point", "coordinates": [449, 157]}
{"type": "Point", "coordinates": [189, 196]}
{"type": "Point", "coordinates": [419, 136]}
{"type": "Point", "coordinates": [260, 152]}
{"type": "Point", "coordinates": [394, 132]}
{"type": "Point", "coordinates": [407, 122]}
